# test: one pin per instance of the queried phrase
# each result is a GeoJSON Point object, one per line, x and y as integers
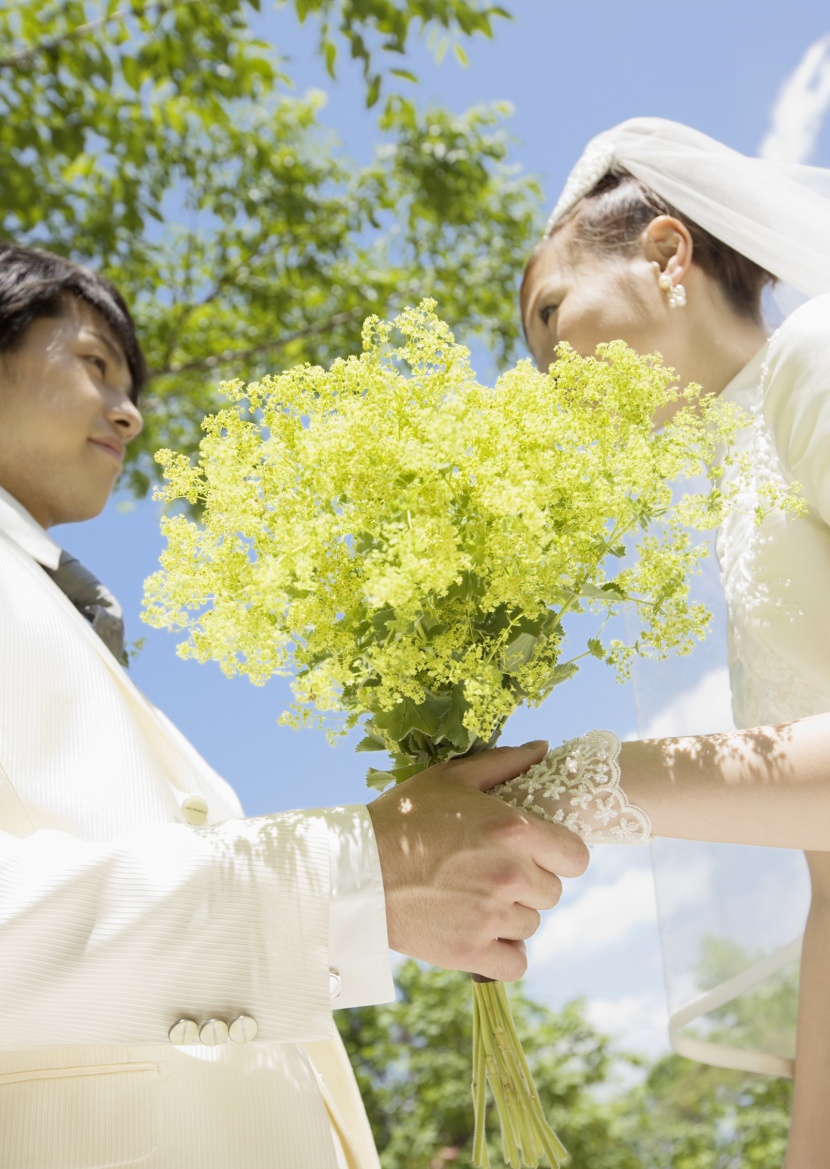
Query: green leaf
{"type": "Point", "coordinates": [592, 590]}
{"type": "Point", "coordinates": [452, 727]}
{"type": "Point", "coordinates": [604, 592]}
{"type": "Point", "coordinates": [132, 73]}
{"type": "Point", "coordinates": [519, 652]}
{"type": "Point", "coordinates": [381, 620]}
{"type": "Point", "coordinates": [407, 717]}
{"type": "Point", "coordinates": [382, 779]}
{"type": "Point", "coordinates": [371, 743]}
{"type": "Point", "coordinates": [438, 717]}
{"type": "Point", "coordinates": [427, 627]}
{"type": "Point", "coordinates": [379, 780]}
{"type": "Point", "coordinates": [331, 58]}
{"type": "Point", "coordinates": [563, 672]}
{"type": "Point", "coordinates": [404, 73]}
{"type": "Point", "coordinates": [373, 92]}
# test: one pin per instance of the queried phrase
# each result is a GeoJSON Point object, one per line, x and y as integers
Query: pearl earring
{"type": "Point", "coordinates": [676, 293]}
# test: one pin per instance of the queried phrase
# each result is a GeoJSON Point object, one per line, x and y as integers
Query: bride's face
{"type": "Point", "coordinates": [576, 295]}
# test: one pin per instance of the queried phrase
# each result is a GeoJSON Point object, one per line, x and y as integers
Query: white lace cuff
{"type": "Point", "coordinates": [578, 785]}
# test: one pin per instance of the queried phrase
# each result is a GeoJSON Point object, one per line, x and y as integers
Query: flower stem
{"type": "Point", "coordinates": [498, 1059]}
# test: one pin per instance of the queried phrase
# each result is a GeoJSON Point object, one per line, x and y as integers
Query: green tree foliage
{"type": "Point", "coordinates": [164, 143]}
{"type": "Point", "coordinates": [762, 1019]}
{"type": "Point", "coordinates": [412, 1060]}
{"type": "Point", "coordinates": [691, 1116]}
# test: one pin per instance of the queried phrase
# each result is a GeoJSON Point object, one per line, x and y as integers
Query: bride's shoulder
{"type": "Point", "coordinates": [796, 399]}
{"type": "Point", "coordinates": [804, 336]}
{"type": "Point", "coordinates": [797, 362]}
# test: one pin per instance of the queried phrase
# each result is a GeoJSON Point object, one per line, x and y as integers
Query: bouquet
{"type": "Point", "coordinates": [407, 544]}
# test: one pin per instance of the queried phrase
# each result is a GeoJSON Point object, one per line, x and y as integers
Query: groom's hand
{"type": "Point", "coordinates": [464, 874]}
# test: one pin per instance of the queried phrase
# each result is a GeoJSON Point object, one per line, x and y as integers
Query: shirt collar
{"type": "Point", "coordinates": [26, 532]}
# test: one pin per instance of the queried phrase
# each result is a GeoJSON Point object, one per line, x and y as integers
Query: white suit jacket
{"type": "Point", "coordinates": [137, 904]}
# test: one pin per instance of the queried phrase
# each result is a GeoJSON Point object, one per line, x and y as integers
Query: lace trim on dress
{"type": "Point", "coordinates": [577, 785]}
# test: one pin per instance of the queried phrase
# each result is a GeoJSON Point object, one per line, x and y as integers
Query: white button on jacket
{"type": "Point", "coordinates": [243, 1029]}
{"type": "Point", "coordinates": [184, 1032]}
{"type": "Point", "coordinates": [195, 809]}
{"type": "Point", "coordinates": [214, 1032]}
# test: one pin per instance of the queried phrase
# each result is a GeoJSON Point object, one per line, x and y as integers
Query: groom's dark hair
{"type": "Point", "coordinates": [34, 284]}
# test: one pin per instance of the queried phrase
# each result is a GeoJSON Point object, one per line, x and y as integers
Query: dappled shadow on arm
{"type": "Point", "coordinates": [767, 785]}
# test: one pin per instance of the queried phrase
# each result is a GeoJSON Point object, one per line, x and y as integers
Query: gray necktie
{"type": "Point", "coordinates": [93, 600]}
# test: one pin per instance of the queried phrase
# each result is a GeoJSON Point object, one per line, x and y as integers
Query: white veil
{"type": "Point", "coordinates": [731, 943]}
{"type": "Point", "coordinates": [775, 213]}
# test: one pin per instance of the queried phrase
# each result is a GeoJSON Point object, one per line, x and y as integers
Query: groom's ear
{"type": "Point", "coordinates": [667, 241]}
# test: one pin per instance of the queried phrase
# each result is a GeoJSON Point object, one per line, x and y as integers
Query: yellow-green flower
{"type": "Point", "coordinates": [407, 543]}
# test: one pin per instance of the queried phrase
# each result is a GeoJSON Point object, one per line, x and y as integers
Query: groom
{"type": "Point", "coordinates": [170, 967]}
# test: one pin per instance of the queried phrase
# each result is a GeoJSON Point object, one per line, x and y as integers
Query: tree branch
{"type": "Point", "coordinates": [228, 355]}
{"type": "Point", "coordinates": [25, 58]}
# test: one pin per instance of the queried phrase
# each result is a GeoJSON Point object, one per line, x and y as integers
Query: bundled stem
{"type": "Point", "coordinates": [498, 1060]}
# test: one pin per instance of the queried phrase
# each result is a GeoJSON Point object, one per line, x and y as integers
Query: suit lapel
{"type": "Point", "coordinates": [179, 761]}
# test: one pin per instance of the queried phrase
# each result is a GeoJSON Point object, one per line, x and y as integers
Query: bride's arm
{"type": "Point", "coordinates": [766, 785]}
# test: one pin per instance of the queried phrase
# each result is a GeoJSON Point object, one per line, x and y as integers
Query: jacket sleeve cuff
{"type": "Point", "coordinates": [359, 961]}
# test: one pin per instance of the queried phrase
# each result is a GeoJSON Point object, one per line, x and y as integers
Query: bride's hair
{"type": "Point", "coordinates": [612, 216]}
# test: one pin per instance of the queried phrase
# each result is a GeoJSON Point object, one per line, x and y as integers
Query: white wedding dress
{"type": "Point", "coordinates": [732, 917]}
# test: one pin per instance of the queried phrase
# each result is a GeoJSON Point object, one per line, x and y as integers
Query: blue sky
{"type": "Point", "coordinates": [740, 72]}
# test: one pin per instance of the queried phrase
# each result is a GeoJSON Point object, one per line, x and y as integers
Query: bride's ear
{"type": "Point", "coordinates": [668, 243]}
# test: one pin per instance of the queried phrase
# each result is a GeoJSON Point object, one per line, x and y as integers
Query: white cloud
{"type": "Point", "coordinates": [704, 709]}
{"type": "Point", "coordinates": [602, 917]}
{"type": "Point", "coordinates": [799, 111]}
{"type": "Point", "coordinates": [637, 1022]}
{"type": "Point", "coordinates": [686, 877]}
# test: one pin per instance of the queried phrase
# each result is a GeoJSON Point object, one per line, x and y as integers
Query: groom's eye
{"type": "Point", "coordinates": [98, 362]}
{"type": "Point", "coordinates": [547, 312]}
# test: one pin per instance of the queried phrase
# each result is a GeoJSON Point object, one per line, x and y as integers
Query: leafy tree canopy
{"type": "Point", "coordinates": [163, 142]}
{"type": "Point", "coordinates": [412, 1061]}
{"type": "Point", "coordinates": [613, 1111]}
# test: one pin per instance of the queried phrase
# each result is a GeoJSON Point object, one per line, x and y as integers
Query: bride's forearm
{"type": "Point", "coordinates": [767, 785]}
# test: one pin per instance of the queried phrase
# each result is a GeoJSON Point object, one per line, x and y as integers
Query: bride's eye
{"type": "Point", "coordinates": [547, 312]}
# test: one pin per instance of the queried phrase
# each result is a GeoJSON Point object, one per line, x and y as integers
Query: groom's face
{"type": "Point", "coordinates": [66, 415]}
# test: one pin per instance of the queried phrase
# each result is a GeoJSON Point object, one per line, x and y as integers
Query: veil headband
{"type": "Point", "coordinates": [777, 214]}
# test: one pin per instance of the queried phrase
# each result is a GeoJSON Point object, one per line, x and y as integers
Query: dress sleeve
{"type": "Point", "coordinates": [797, 400]}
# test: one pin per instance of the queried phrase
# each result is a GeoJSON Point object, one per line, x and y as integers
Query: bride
{"type": "Point", "coordinates": [667, 240]}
